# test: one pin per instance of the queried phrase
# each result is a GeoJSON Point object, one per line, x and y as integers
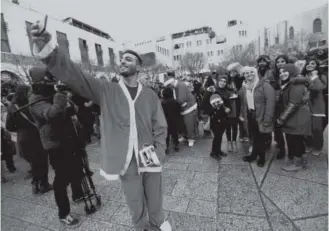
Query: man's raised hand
{"type": "Point", "coordinates": [39, 40]}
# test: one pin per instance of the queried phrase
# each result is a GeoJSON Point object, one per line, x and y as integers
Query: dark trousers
{"type": "Point", "coordinates": [172, 132]}
{"type": "Point", "coordinates": [242, 129]}
{"type": "Point", "coordinates": [296, 146]}
{"type": "Point", "coordinates": [279, 138]}
{"type": "Point", "coordinates": [232, 129]}
{"type": "Point", "coordinates": [325, 120]}
{"type": "Point", "coordinates": [316, 140]}
{"type": "Point", "coordinates": [40, 168]}
{"type": "Point", "coordinates": [259, 139]}
{"type": "Point", "coordinates": [68, 170]}
{"type": "Point", "coordinates": [218, 129]}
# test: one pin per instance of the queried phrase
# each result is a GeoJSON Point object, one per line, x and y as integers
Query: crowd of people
{"type": "Point", "coordinates": [56, 117]}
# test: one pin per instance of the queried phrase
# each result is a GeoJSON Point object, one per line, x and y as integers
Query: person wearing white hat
{"type": "Point", "coordinates": [188, 107]}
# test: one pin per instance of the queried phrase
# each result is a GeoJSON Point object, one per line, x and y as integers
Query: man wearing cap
{"type": "Point", "coordinates": [132, 119]}
{"type": "Point", "coordinates": [188, 106]}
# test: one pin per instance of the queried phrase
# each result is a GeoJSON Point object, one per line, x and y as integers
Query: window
{"type": "Point", "coordinates": [182, 45]}
{"type": "Point", "coordinates": [317, 25]}
{"type": "Point", "coordinates": [266, 43]}
{"type": "Point", "coordinates": [245, 33]}
{"type": "Point", "coordinates": [63, 43]}
{"type": "Point", "coordinates": [4, 36]}
{"type": "Point", "coordinates": [291, 32]}
{"type": "Point", "coordinates": [199, 43]}
{"type": "Point", "coordinates": [240, 33]}
{"type": "Point", "coordinates": [208, 41]}
{"type": "Point", "coordinates": [28, 29]}
{"type": "Point", "coordinates": [218, 52]}
{"type": "Point", "coordinates": [111, 55]}
{"type": "Point", "coordinates": [211, 53]}
{"type": "Point", "coordinates": [84, 50]}
{"type": "Point", "coordinates": [99, 54]}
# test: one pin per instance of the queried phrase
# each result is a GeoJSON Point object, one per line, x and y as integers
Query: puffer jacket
{"type": "Point", "coordinates": [296, 92]}
{"type": "Point", "coordinates": [53, 118]}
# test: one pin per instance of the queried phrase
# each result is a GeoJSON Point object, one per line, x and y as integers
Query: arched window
{"type": "Point", "coordinates": [317, 25]}
{"type": "Point", "coordinates": [291, 32]}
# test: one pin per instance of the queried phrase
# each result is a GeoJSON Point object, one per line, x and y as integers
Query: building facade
{"type": "Point", "coordinates": [82, 42]}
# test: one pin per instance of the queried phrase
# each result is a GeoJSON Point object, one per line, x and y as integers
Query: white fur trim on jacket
{"type": "Point", "coordinates": [109, 177]}
{"type": "Point", "coordinates": [46, 51]}
{"type": "Point", "coordinates": [189, 110]}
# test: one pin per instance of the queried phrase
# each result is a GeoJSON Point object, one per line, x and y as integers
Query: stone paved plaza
{"type": "Point", "coordinates": [199, 194]}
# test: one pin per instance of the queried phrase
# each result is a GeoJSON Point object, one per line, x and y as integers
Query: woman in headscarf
{"type": "Point", "coordinates": [257, 107]}
{"type": "Point", "coordinates": [28, 139]}
{"type": "Point", "coordinates": [318, 83]}
{"type": "Point", "coordinates": [295, 117]}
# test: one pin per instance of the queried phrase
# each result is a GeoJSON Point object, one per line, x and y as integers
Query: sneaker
{"type": "Point", "coordinates": [165, 226]}
{"type": "Point", "coordinates": [35, 188]}
{"type": "Point", "coordinates": [69, 220]}
{"type": "Point", "coordinates": [45, 188]}
{"type": "Point", "coordinates": [241, 139]}
{"type": "Point", "coordinates": [182, 139]}
{"type": "Point", "coordinates": [246, 139]}
{"type": "Point", "coordinates": [215, 156]}
{"type": "Point", "coordinates": [308, 149]}
{"type": "Point", "coordinates": [316, 152]}
{"type": "Point", "coordinates": [250, 150]}
{"type": "Point", "coordinates": [260, 163]}
{"type": "Point", "coordinates": [191, 143]}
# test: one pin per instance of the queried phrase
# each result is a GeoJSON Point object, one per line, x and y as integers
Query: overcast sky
{"type": "Point", "coordinates": [132, 20]}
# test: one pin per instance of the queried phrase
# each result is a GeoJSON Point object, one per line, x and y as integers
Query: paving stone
{"type": "Point", "coordinates": [296, 198]}
{"type": "Point", "coordinates": [317, 169]}
{"type": "Point", "coordinates": [278, 220]}
{"type": "Point", "coordinates": [176, 204]}
{"type": "Point", "coordinates": [206, 166]}
{"type": "Point", "coordinates": [186, 222]}
{"type": "Point", "coordinates": [11, 190]}
{"type": "Point", "coordinates": [94, 225]}
{"type": "Point", "coordinates": [178, 174]}
{"type": "Point", "coordinates": [228, 222]}
{"type": "Point", "coordinates": [179, 166]}
{"type": "Point", "coordinates": [100, 180]}
{"type": "Point", "coordinates": [47, 199]}
{"type": "Point", "coordinates": [122, 216]}
{"type": "Point", "coordinates": [168, 185]}
{"type": "Point", "coordinates": [11, 224]}
{"type": "Point", "coordinates": [195, 189]}
{"type": "Point", "coordinates": [106, 211]}
{"type": "Point", "coordinates": [208, 177]}
{"type": "Point", "coordinates": [313, 224]}
{"type": "Point", "coordinates": [202, 208]}
{"type": "Point", "coordinates": [238, 192]}
{"type": "Point", "coordinates": [112, 194]}
{"type": "Point", "coordinates": [15, 208]}
{"type": "Point", "coordinates": [260, 172]}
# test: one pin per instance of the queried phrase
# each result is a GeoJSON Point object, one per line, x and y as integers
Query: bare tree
{"type": "Point", "coordinates": [193, 62]}
{"type": "Point", "coordinates": [243, 55]}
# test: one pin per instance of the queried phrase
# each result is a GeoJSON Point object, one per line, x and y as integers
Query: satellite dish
{"type": "Point", "coordinates": [221, 39]}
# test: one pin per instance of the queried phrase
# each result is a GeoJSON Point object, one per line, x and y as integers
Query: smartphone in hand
{"type": "Point", "coordinates": [43, 25]}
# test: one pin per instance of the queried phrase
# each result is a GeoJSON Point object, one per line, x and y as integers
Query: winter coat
{"type": "Point", "coordinates": [53, 118]}
{"type": "Point", "coordinates": [317, 104]}
{"type": "Point", "coordinates": [28, 137]}
{"type": "Point", "coordinates": [209, 110]}
{"type": "Point", "coordinates": [299, 123]}
{"type": "Point", "coordinates": [264, 99]}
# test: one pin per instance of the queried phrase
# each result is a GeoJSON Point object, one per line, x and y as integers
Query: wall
{"type": "Point", "coordinates": [15, 17]}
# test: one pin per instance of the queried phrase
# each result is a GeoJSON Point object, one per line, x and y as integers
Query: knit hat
{"type": "Point", "coordinates": [223, 77]}
{"type": "Point", "coordinates": [134, 53]}
{"type": "Point", "coordinates": [291, 68]}
{"type": "Point", "coordinates": [215, 99]}
{"type": "Point", "coordinates": [266, 58]}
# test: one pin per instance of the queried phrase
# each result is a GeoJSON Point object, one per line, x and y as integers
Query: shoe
{"type": "Point", "coordinates": [45, 188]}
{"type": "Point", "coordinates": [182, 139]}
{"type": "Point", "coordinates": [222, 153]}
{"type": "Point", "coordinates": [288, 163]}
{"type": "Point", "coordinates": [280, 155]}
{"type": "Point", "coordinates": [35, 188]}
{"type": "Point", "coordinates": [250, 150]}
{"type": "Point", "coordinates": [246, 139]}
{"type": "Point", "coordinates": [234, 146]}
{"type": "Point", "coordinates": [316, 152]}
{"type": "Point", "coordinates": [296, 166]}
{"type": "Point", "coordinates": [191, 143]}
{"type": "Point", "coordinates": [308, 149]}
{"type": "Point", "coordinates": [176, 148]}
{"type": "Point", "coordinates": [165, 226]}
{"type": "Point", "coordinates": [70, 221]}
{"type": "Point", "coordinates": [90, 173]}
{"type": "Point", "coordinates": [260, 163]}
{"type": "Point", "coordinates": [229, 146]}
{"type": "Point", "coordinates": [241, 139]}
{"type": "Point", "coordinates": [249, 158]}
{"type": "Point", "coordinates": [78, 199]}
{"type": "Point", "coordinates": [215, 156]}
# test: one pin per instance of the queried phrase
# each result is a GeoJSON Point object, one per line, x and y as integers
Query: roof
{"type": "Point", "coordinates": [87, 27]}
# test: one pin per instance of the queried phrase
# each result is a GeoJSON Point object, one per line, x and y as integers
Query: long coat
{"type": "Point", "coordinates": [299, 123]}
{"type": "Point", "coordinates": [264, 99]}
